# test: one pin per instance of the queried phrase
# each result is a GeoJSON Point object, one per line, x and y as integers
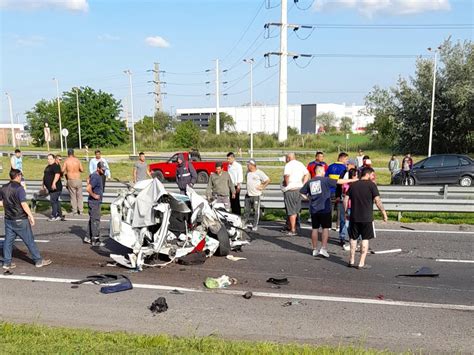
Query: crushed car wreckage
{"type": "Point", "coordinates": [154, 224]}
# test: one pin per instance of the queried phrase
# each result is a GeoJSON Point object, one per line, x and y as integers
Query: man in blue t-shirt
{"type": "Point", "coordinates": [95, 189]}
{"type": "Point", "coordinates": [318, 191]}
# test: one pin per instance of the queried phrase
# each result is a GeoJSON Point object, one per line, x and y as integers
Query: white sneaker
{"type": "Point", "coordinates": [346, 247]}
{"type": "Point", "coordinates": [324, 253]}
{"type": "Point", "coordinates": [44, 262]}
{"type": "Point", "coordinates": [315, 252]}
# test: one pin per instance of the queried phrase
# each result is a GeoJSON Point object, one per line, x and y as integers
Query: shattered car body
{"type": "Point", "coordinates": [153, 222]}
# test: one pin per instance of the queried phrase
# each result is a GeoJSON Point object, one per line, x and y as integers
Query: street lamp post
{"type": "Point", "coordinates": [129, 73]}
{"type": "Point", "coordinates": [59, 114]}
{"type": "Point", "coordinates": [430, 142]}
{"type": "Point", "coordinates": [251, 61]}
{"type": "Point", "coordinates": [11, 118]}
{"type": "Point", "coordinates": [78, 117]}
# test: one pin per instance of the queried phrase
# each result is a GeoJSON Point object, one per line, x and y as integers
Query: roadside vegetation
{"type": "Point", "coordinates": [36, 339]}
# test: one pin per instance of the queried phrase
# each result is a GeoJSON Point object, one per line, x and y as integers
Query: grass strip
{"type": "Point", "coordinates": [38, 339]}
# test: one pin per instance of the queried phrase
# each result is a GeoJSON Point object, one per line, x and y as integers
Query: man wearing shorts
{"type": "Point", "coordinates": [363, 194]}
{"type": "Point", "coordinates": [295, 176]}
{"type": "Point", "coordinates": [318, 191]}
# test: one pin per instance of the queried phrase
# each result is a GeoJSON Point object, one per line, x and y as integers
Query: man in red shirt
{"type": "Point", "coordinates": [318, 161]}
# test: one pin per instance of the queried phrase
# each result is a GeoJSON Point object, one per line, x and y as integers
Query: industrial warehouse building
{"type": "Point", "coordinates": [265, 117]}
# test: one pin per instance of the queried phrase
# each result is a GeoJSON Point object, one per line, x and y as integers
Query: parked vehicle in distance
{"type": "Point", "coordinates": [165, 171]}
{"type": "Point", "coordinates": [440, 169]}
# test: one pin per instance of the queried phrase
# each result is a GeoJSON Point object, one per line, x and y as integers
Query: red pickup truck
{"type": "Point", "coordinates": [167, 170]}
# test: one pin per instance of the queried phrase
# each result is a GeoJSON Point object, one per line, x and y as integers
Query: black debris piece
{"type": "Point", "coordinates": [176, 292]}
{"type": "Point", "coordinates": [158, 306]}
{"type": "Point", "coordinates": [7, 272]}
{"type": "Point", "coordinates": [247, 295]}
{"type": "Point", "coordinates": [113, 283]}
{"type": "Point", "coordinates": [409, 228]}
{"type": "Point", "coordinates": [193, 259]}
{"type": "Point", "coordinates": [421, 272]}
{"type": "Point", "coordinates": [283, 281]}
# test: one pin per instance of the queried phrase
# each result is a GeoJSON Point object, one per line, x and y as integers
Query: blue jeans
{"type": "Point", "coordinates": [342, 222]}
{"type": "Point", "coordinates": [55, 204]}
{"type": "Point", "coordinates": [22, 229]}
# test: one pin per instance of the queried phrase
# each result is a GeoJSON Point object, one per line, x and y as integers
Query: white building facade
{"type": "Point", "coordinates": [264, 118]}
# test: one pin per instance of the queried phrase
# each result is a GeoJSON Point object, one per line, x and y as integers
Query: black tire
{"type": "Point", "coordinates": [411, 181]}
{"type": "Point", "coordinates": [465, 181]}
{"type": "Point", "coordinates": [202, 177]}
{"type": "Point", "coordinates": [159, 175]}
{"type": "Point", "coordinates": [224, 241]}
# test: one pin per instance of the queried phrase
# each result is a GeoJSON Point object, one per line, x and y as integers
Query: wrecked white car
{"type": "Point", "coordinates": [156, 224]}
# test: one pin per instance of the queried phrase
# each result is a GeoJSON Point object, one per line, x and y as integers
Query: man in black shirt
{"type": "Point", "coordinates": [52, 183]}
{"type": "Point", "coordinates": [362, 194]}
{"type": "Point", "coordinates": [18, 221]}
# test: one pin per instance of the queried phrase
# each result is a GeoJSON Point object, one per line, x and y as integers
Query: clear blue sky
{"type": "Point", "coordinates": [91, 42]}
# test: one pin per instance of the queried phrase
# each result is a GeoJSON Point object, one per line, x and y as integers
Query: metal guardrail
{"type": "Point", "coordinates": [395, 198]}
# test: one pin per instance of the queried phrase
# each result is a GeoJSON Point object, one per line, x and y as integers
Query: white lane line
{"type": "Point", "coordinates": [455, 261]}
{"type": "Point", "coordinates": [36, 240]}
{"type": "Point", "coordinates": [265, 294]}
{"type": "Point", "coordinates": [388, 230]}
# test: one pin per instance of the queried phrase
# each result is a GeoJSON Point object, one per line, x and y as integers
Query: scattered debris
{"type": "Point", "coordinates": [234, 258]}
{"type": "Point", "coordinates": [292, 303]}
{"type": "Point", "coordinates": [381, 297]}
{"type": "Point", "coordinates": [7, 272]}
{"type": "Point", "coordinates": [247, 295]}
{"type": "Point", "coordinates": [158, 306]}
{"type": "Point", "coordinates": [176, 292]}
{"type": "Point", "coordinates": [409, 228]}
{"type": "Point", "coordinates": [283, 281]}
{"type": "Point", "coordinates": [75, 286]}
{"type": "Point", "coordinates": [421, 272]}
{"type": "Point", "coordinates": [386, 251]}
{"type": "Point", "coordinates": [114, 283]}
{"type": "Point", "coordinates": [220, 282]}
{"type": "Point", "coordinates": [193, 259]}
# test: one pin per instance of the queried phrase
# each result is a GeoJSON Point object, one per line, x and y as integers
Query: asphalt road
{"type": "Point", "coordinates": [332, 304]}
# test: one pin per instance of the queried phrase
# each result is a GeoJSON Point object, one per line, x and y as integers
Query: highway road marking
{"type": "Point", "coordinates": [386, 230]}
{"type": "Point", "coordinates": [36, 240]}
{"type": "Point", "coordinates": [458, 307]}
{"type": "Point", "coordinates": [455, 261]}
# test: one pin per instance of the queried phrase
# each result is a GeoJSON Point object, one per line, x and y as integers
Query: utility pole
{"type": "Point", "coordinates": [158, 101]}
{"type": "Point", "coordinates": [78, 117]}
{"type": "Point", "coordinates": [430, 142]}
{"type": "Point", "coordinates": [251, 61]}
{"type": "Point", "coordinates": [11, 118]}
{"type": "Point", "coordinates": [218, 128]}
{"type": "Point", "coordinates": [59, 114]}
{"type": "Point", "coordinates": [129, 73]}
{"type": "Point", "coordinates": [283, 97]}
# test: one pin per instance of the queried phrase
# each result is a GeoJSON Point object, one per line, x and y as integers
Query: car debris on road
{"type": "Point", "coordinates": [155, 223]}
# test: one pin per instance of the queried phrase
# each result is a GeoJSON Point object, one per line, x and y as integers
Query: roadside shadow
{"type": "Point", "coordinates": [283, 241]}
{"type": "Point", "coordinates": [17, 253]}
{"type": "Point", "coordinates": [78, 231]}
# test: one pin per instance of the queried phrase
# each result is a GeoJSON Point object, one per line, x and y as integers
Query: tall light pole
{"type": "Point", "coordinates": [283, 95]}
{"type": "Point", "coordinates": [218, 114]}
{"type": "Point", "coordinates": [78, 116]}
{"type": "Point", "coordinates": [430, 142]}
{"type": "Point", "coordinates": [129, 73]}
{"type": "Point", "coordinates": [251, 61]}
{"type": "Point", "coordinates": [59, 114]}
{"type": "Point", "coordinates": [11, 118]}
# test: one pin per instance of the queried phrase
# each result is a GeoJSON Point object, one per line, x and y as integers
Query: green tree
{"type": "Point", "coordinates": [43, 112]}
{"type": "Point", "coordinates": [99, 112]}
{"type": "Point", "coordinates": [346, 124]}
{"type": "Point", "coordinates": [402, 113]}
{"type": "Point", "coordinates": [292, 131]}
{"type": "Point", "coordinates": [186, 135]}
{"type": "Point", "coordinates": [226, 123]}
{"type": "Point", "coordinates": [327, 120]}
{"type": "Point", "coordinates": [148, 128]}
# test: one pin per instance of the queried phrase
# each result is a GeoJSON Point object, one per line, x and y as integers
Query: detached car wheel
{"type": "Point", "coordinates": [465, 181]}
{"type": "Point", "coordinates": [202, 177]}
{"type": "Point", "coordinates": [159, 175]}
{"type": "Point", "coordinates": [224, 241]}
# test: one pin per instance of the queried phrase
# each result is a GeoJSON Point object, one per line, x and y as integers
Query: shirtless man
{"type": "Point", "coordinates": [72, 169]}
